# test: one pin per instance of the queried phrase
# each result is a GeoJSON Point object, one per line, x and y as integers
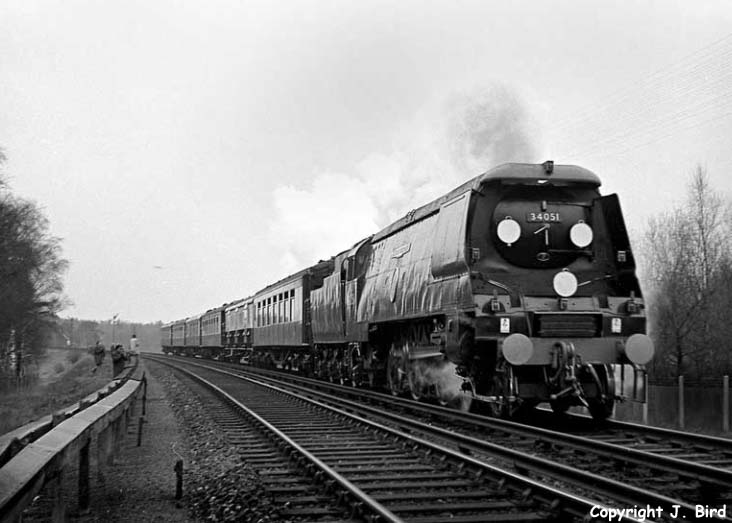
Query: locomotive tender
{"type": "Point", "coordinates": [517, 287]}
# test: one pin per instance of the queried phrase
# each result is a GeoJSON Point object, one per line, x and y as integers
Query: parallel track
{"type": "Point", "coordinates": [702, 449]}
{"type": "Point", "coordinates": [385, 473]}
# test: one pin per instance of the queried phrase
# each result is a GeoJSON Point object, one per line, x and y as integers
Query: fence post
{"type": "Point", "coordinates": [139, 430]}
{"type": "Point", "coordinates": [725, 403]}
{"type": "Point", "coordinates": [103, 449]}
{"type": "Point", "coordinates": [681, 402]}
{"type": "Point", "coordinates": [178, 479]}
{"type": "Point", "coordinates": [84, 476]}
{"type": "Point", "coordinates": [645, 398]}
{"type": "Point", "coordinates": [58, 510]}
{"type": "Point", "coordinates": [144, 392]}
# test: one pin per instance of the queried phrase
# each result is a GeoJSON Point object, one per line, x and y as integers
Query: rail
{"type": "Point", "coordinates": [44, 461]}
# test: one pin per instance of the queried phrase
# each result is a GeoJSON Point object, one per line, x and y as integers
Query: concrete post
{"type": "Point", "coordinates": [139, 430]}
{"type": "Point", "coordinates": [84, 477]}
{"type": "Point", "coordinates": [725, 403]}
{"type": "Point", "coordinates": [144, 393]}
{"type": "Point", "coordinates": [118, 435]}
{"type": "Point", "coordinates": [103, 449]}
{"type": "Point", "coordinates": [178, 479]}
{"type": "Point", "coordinates": [58, 512]}
{"type": "Point", "coordinates": [645, 398]}
{"type": "Point", "coordinates": [681, 402]}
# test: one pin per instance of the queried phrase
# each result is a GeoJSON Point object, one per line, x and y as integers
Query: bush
{"type": "Point", "coordinates": [73, 356]}
{"type": "Point", "coordinates": [59, 368]}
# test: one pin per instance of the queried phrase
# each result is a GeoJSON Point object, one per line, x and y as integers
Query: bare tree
{"type": "Point", "coordinates": [687, 264]}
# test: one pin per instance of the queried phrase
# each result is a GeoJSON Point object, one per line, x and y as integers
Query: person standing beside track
{"type": "Point", "coordinates": [98, 355]}
{"type": "Point", "coordinates": [134, 346]}
{"type": "Point", "coordinates": [118, 360]}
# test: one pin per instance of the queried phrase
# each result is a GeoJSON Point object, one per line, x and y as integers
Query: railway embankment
{"type": "Point", "coordinates": [142, 483]}
{"type": "Point", "coordinates": [162, 459]}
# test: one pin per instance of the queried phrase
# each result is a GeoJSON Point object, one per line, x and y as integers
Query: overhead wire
{"type": "Point", "coordinates": [701, 85]}
{"type": "Point", "coordinates": [630, 93]}
{"type": "Point", "coordinates": [642, 106]}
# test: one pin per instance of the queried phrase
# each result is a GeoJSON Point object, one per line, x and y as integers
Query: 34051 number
{"type": "Point", "coordinates": [543, 217]}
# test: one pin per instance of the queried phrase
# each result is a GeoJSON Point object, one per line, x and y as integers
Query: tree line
{"type": "Point", "coordinates": [78, 333]}
{"type": "Point", "coordinates": [687, 274]}
{"type": "Point", "coordinates": [31, 271]}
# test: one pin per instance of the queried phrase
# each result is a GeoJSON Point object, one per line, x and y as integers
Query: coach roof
{"type": "Point", "coordinates": [507, 173]}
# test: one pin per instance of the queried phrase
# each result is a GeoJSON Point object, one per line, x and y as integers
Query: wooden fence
{"type": "Point", "coordinates": [702, 406]}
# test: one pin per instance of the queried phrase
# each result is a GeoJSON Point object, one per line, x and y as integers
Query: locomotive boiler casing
{"type": "Point", "coordinates": [418, 275]}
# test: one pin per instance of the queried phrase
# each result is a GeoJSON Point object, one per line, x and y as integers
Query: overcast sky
{"type": "Point", "coordinates": [190, 153]}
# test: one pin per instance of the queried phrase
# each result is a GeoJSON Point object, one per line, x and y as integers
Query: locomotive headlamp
{"type": "Point", "coordinates": [517, 349]}
{"type": "Point", "coordinates": [581, 234]}
{"type": "Point", "coordinates": [639, 349]}
{"type": "Point", "coordinates": [565, 283]}
{"type": "Point", "coordinates": [508, 230]}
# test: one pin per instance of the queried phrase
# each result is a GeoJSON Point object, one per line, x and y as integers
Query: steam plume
{"type": "Point", "coordinates": [444, 145]}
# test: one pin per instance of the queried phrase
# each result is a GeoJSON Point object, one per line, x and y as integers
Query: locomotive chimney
{"type": "Point", "coordinates": [548, 167]}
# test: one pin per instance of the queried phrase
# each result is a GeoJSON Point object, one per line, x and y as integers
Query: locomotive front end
{"type": "Point", "coordinates": [559, 315]}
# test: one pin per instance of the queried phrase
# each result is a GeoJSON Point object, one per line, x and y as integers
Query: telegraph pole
{"type": "Point", "coordinates": [114, 322]}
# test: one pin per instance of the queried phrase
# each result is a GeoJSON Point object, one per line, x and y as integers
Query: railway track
{"type": "Point", "coordinates": [595, 462]}
{"type": "Point", "coordinates": [378, 472]}
{"type": "Point", "coordinates": [706, 450]}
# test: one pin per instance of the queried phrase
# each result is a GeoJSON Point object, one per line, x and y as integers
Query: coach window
{"type": "Point", "coordinates": [292, 305]}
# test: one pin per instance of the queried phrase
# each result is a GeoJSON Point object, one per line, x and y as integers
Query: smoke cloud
{"type": "Point", "coordinates": [444, 145]}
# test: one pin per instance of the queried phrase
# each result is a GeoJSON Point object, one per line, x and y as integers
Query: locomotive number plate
{"type": "Point", "coordinates": [543, 217]}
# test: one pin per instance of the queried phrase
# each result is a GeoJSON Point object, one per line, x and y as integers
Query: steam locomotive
{"type": "Point", "coordinates": [517, 287]}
